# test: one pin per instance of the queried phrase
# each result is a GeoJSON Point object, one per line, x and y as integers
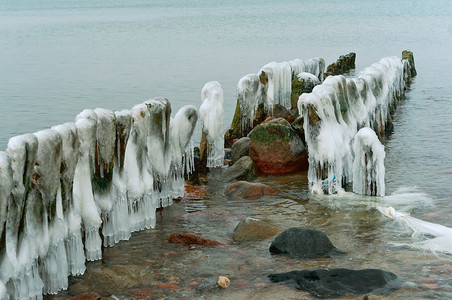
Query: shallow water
{"type": "Point", "coordinates": [148, 266]}
{"type": "Point", "coordinates": [59, 57]}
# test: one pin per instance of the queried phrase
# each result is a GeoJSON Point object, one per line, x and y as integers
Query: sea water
{"type": "Point", "coordinates": [60, 57]}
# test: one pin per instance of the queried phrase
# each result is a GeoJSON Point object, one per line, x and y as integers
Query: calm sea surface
{"type": "Point", "coordinates": [60, 57]}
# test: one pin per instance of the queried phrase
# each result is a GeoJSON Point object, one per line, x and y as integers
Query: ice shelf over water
{"type": "Point", "coordinates": [334, 113]}
{"type": "Point", "coordinates": [64, 189]}
{"type": "Point", "coordinates": [428, 236]}
{"type": "Point", "coordinates": [272, 85]}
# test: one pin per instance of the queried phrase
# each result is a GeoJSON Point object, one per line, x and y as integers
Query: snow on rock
{"type": "Point", "coordinates": [337, 109]}
{"type": "Point", "coordinates": [368, 164]}
{"type": "Point", "coordinates": [211, 113]}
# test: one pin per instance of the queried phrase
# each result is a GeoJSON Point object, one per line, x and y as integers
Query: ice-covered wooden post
{"type": "Point", "coordinates": [211, 113]}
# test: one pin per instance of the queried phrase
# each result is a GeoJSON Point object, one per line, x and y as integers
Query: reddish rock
{"type": "Point", "coordinates": [190, 239]}
{"type": "Point", "coordinates": [276, 148]}
{"type": "Point", "coordinates": [248, 190]}
{"type": "Point", "coordinates": [169, 286]}
{"type": "Point", "coordinates": [87, 296]}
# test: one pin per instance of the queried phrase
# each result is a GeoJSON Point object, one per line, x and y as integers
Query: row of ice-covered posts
{"type": "Point", "coordinates": [109, 171]}
{"type": "Point", "coordinates": [66, 188]}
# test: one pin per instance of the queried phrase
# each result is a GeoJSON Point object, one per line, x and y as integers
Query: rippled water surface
{"type": "Point", "coordinates": [59, 57]}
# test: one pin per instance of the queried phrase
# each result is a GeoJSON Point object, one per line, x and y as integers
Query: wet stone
{"type": "Point", "coordinates": [190, 239]}
{"type": "Point", "coordinates": [248, 190]}
{"type": "Point", "coordinates": [304, 243]}
{"type": "Point", "coordinates": [330, 283]}
{"type": "Point", "coordinates": [251, 229]}
{"type": "Point", "coordinates": [87, 296]}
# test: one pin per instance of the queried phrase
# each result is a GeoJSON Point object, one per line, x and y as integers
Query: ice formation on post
{"type": "Point", "coordinates": [272, 85]}
{"type": "Point", "coordinates": [23, 237]}
{"type": "Point", "coordinates": [120, 212]}
{"type": "Point", "coordinates": [337, 109]}
{"type": "Point", "coordinates": [211, 113]}
{"type": "Point", "coordinates": [6, 186]}
{"type": "Point", "coordinates": [86, 123]}
{"type": "Point", "coordinates": [368, 164]}
{"type": "Point", "coordinates": [71, 209]}
{"type": "Point", "coordinates": [182, 127]}
{"type": "Point", "coordinates": [65, 188]}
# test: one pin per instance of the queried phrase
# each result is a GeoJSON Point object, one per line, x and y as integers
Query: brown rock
{"type": "Point", "coordinates": [248, 190]}
{"type": "Point", "coordinates": [280, 111]}
{"type": "Point", "coordinates": [87, 296]}
{"type": "Point", "coordinates": [190, 239]}
{"type": "Point", "coordinates": [251, 229]}
{"type": "Point", "coordinates": [275, 148]}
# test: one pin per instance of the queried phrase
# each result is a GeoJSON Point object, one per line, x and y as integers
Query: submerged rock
{"type": "Point", "coordinates": [240, 148]}
{"type": "Point", "coordinates": [87, 296]}
{"type": "Point", "coordinates": [208, 285]}
{"type": "Point", "coordinates": [329, 283]}
{"type": "Point", "coordinates": [251, 229]}
{"type": "Point", "coordinates": [243, 169]}
{"type": "Point", "coordinates": [275, 148]}
{"type": "Point", "coordinates": [303, 243]}
{"type": "Point", "coordinates": [190, 239]}
{"type": "Point", "coordinates": [248, 190]}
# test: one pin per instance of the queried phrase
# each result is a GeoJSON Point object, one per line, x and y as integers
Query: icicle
{"type": "Point", "coordinates": [211, 113]}
{"type": "Point", "coordinates": [103, 189]}
{"type": "Point", "coordinates": [182, 127]}
{"type": "Point", "coordinates": [75, 254]}
{"type": "Point", "coordinates": [247, 89]}
{"type": "Point", "coordinates": [279, 84]}
{"type": "Point", "coordinates": [157, 135]}
{"type": "Point", "coordinates": [122, 230]}
{"type": "Point", "coordinates": [71, 209]}
{"type": "Point", "coordinates": [53, 267]}
{"type": "Point", "coordinates": [83, 192]}
{"type": "Point", "coordinates": [368, 164]}
{"type": "Point", "coordinates": [92, 244]}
